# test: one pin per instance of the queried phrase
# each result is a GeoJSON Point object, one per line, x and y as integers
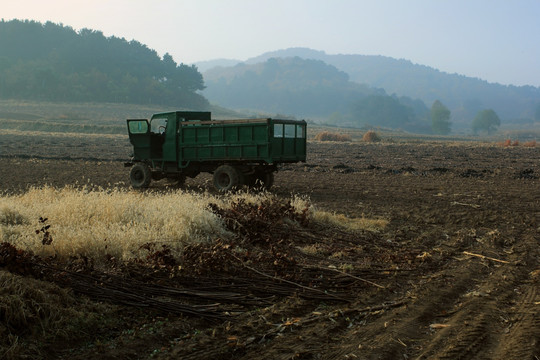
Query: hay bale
{"type": "Point", "coordinates": [371, 136]}
{"type": "Point", "coordinates": [330, 136]}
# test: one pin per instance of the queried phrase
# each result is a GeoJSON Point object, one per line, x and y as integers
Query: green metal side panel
{"type": "Point", "coordinates": [249, 141]}
{"type": "Point", "coordinates": [252, 141]}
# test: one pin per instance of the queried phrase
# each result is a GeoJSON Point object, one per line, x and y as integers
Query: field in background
{"type": "Point", "coordinates": [99, 118]}
{"type": "Point", "coordinates": [409, 247]}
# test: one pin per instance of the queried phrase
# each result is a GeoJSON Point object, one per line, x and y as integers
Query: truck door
{"type": "Point", "coordinates": [139, 137]}
{"type": "Point", "coordinates": [163, 137]}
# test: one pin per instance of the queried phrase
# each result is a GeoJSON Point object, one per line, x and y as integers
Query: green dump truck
{"type": "Point", "coordinates": [180, 144]}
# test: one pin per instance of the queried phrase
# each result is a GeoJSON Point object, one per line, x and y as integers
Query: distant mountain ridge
{"type": "Point", "coordinates": [293, 86]}
{"type": "Point", "coordinates": [465, 96]}
{"type": "Point", "coordinates": [209, 64]}
{"type": "Point", "coordinates": [289, 85]}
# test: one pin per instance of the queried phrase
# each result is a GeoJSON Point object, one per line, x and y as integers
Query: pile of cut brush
{"type": "Point", "coordinates": [263, 260]}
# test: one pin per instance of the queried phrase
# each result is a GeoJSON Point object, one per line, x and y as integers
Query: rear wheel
{"type": "Point", "coordinates": [140, 176]}
{"type": "Point", "coordinates": [227, 178]}
{"type": "Point", "coordinates": [268, 180]}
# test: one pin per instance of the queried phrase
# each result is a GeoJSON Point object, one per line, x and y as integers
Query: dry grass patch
{"type": "Point", "coordinates": [119, 223]}
{"type": "Point", "coordinates": [352, 224]}
{"type": "Point", "coordinates": [114, 222]}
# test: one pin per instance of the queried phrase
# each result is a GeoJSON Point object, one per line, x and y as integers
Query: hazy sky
{"type": "Point", "coordinates": [495, 40]}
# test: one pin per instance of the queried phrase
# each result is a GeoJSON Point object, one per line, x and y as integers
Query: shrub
{"type": "Point", "coordinates": [531, 143]}
{"type": "Point", "coordinates": [508, 142]}
{"type": "Point", "coordinates": [329, 136]}
{"type": "Point", "coordinates": [371, 136]}
{"type": "Point", "coordinates": [505, 143]}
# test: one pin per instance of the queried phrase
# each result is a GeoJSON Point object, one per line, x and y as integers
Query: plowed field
{"type": "Point", "coordinates": [454, 275]}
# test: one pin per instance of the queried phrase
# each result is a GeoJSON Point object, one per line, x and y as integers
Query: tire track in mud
{"type": "Point", "coordinates": [466, 320]}
{"type": "Point", "coordinates": [466, 335]}
{"type": "Point", "coordinates": [411, 327]}
{"type": "Point", "coordinates": [482, 328]}
{"type": "Point", "coordinates": [522, 339]}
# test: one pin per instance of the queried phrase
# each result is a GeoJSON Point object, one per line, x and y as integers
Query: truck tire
{"type": "Point", "coordinates": [268, 180]}
{"type": "Point", "coordinates": [262, 180]}
{"type": "Point", "coordinates": [140, 176]}
{"type": "Point", "coordinates": [227, 178]}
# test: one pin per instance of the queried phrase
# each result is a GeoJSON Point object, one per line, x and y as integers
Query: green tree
{"type": "Point", "coordinates": [382, 110]}
{"type": "Point", "coordinates": [486, 120]}
{"type": "Point", "coordinates": [440, 118]}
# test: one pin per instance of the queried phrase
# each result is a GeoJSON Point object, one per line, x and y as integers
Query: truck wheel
{"type": "Point", "coordinates": [268, 180]}
{"type": "Point", "coordinates": [227, 178]}
{"type": "Point", "coordinates": [263, 180]}
{"type": "Point", "coordinates": [140, 176]}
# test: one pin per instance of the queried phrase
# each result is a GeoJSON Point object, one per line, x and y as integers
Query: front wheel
{"type": "Point", "coordinates": [140, 176]}
{"type": "Point", "coordinates": [227, 178]}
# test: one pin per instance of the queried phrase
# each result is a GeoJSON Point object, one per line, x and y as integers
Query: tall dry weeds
{"type": "Point", "coordinates": [114, 222]}
{"type": "Point", "coordinates": [118, 223]}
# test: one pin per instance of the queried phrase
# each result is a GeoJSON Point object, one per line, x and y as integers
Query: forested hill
{"type": "Point", "coordinates": [465, 96]}
{"type": "Point", "coordinates": [287, 86]}
{"type": "Point", "coordinates": [52, 62]}
{"type": "Point", "coordinates": [302, 87]}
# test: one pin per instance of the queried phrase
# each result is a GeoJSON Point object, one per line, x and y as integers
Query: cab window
{"type": "Point", "coordinates": [158, 125]}
{"type": "Point", "coordinates": [138, 127]}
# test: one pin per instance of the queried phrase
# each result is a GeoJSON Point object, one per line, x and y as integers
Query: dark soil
{"type": "Point", "coordinates": [454, 275]}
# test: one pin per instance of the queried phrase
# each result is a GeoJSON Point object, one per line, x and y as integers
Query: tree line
{"type": "Point", "coordinates": [53, 62]}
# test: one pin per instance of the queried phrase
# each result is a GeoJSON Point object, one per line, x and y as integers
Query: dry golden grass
{"type": "Point", "coordinates": [114, 222]}
{"type": "Point", "coordinates": [118, 222]}
{"type": "Point", "coordinates": [330, 136]}
{"type": "Point", "coordinates": [352, 224]}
